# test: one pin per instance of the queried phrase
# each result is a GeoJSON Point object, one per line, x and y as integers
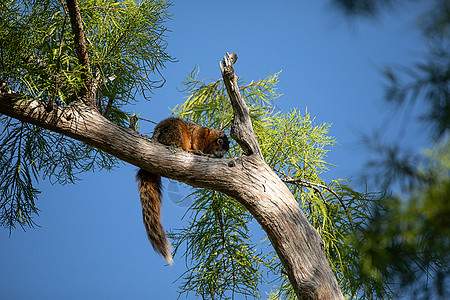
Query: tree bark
{"type": "Point", "coordinates": [297, 243]}
{"type": "Point", "coordinates": [248, 179]}
{"type": "Point", "coordinates": [87, 92]}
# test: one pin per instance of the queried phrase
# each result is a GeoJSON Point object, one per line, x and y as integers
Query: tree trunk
{"type": "Point", "coordinates": [248, 179]}
{"type": "Point", "coordinates": [297, 243]}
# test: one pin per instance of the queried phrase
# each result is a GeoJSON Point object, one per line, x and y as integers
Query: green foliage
{"type": "Point", "coordinates": [365, 8]}
{"type": "Point", "coordinates": [295, 148]}
{"type": "Point", "coordinates": [406, 242]}
{"type": "Point", "coordinates": [126, 47]}
{"type": "Point", "coordinates": [17, 168]}
{"type": "Point", "coordinates": [124, 40]}
{"type": "Point", "coordinates": [223, 258]}
{"type": "Point", "coordinates": [224, 261]}
{"type": "Point", "coordinates": [408, 239]}
{"type": "Point", "coordinates": [28, 153]}
{"type": "Point", "coordinates": [428, 80]}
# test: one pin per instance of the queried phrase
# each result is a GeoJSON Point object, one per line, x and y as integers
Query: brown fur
{"type": "Point", "coordinates": [189, 137]}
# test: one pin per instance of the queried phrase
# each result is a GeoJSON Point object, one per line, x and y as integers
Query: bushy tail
{"type": "Point", "coordinates": [150, 193]}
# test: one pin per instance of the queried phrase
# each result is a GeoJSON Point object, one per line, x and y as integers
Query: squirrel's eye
{"type": "Point", "coordinates": [220, 141]}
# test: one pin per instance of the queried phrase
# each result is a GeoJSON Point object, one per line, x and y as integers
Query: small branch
{"type": "Point", "coordinates": [155, 66]}
{"type": "Point", "coordinates": [241, 129]}
{"type": "Point", "coordinates": [316, 187]}
{"type": "Point", "coordinates": [164, 79]}
{"type": "Point", "coordinates": [1, 56]}
{"type": "Point", "coordinates": [108, 107]}
{"type": "Point", "coordinates": [140, 118]}
{"type": "Point", "coordinates": [86, 93]}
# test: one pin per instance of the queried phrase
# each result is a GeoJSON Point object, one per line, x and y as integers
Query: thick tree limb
{"type": "Point", "coordinates": [86, 124]}
{"type": "Point", "coordinates": [298, 245]}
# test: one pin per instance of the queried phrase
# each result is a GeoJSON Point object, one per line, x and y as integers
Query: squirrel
{"type": "Point", "coordinates": [189, 137]}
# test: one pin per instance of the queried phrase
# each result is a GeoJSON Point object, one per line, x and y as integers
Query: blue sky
{"type": "Point", "coordinates": [91, 243]}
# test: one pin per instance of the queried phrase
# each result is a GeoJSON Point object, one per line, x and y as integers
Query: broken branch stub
{"type": "Point", "coordinates": [241, 128]}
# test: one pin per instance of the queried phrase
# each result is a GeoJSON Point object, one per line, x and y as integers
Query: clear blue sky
{"type": "Point", "coordinates": [91, 243]}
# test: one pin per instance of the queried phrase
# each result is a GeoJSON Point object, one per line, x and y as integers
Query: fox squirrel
{"type": "Point", "coordinates": [189, 137]}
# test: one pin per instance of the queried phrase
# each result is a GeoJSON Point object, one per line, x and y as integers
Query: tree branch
{"type": "Point", "coordinates": [86, 124]}
{"type": "Point", "coordinates": [298, 245]}
{"type": "Point", "coordinates": [86, 92]}
{"type": "Point", "coordinates": [241, 128]}
{"type": "Point", "coordinates": [316, 187]}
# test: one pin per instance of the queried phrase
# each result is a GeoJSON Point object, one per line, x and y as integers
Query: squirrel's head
{"type": "Point", "coordinates": [218, 145]}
